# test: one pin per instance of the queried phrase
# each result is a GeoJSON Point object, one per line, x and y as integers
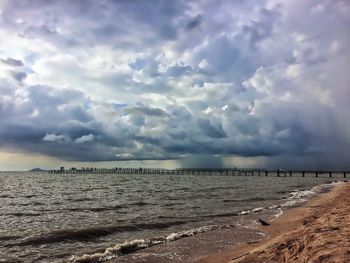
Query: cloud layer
{"type": "Point", "coordinates": [157, 80]}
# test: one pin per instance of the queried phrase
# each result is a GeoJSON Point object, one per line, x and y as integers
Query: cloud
{"type": "Point", "coordinates": [58, 25]}
{"type": "Point", "coordinates": [202, 161]}
{"type": "Point", "coordinates": [143, 110]}
{"type": "Point", "coordinates": [195, 22]}
{"type": "Point", "coordinates": [85, 138]}
{"type": "Point", "coordinates": [19, 76]}
{"type": "Point", "coordinates": [12, 62]}
{"type": "Point", "coordinates": [211, 130]}
{"type": "Point", "coordinates": [265, 80]}
{"type": "Point", "coordinates": [51, 137]}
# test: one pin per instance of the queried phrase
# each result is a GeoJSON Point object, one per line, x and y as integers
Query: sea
{"type": "Point", "coordinates": [62, 217]}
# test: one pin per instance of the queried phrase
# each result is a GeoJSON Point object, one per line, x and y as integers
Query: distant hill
{"type": "Point", "coordinates": [37, 170]}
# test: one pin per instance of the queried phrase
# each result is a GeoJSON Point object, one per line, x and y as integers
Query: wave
{"type": "Point", "coordinates": [138, 244]}
{"type": "Point", "coordinates": [78, 200]}
{"type": "Point", "coordinates": [6, 238]}
{"type": "Point", "coordinates": [92, 189]}
{"type": "Point", "coordinates": [106, 208]}
{"type": "Point", "coordinates": [140, 203]}
{"type": "Point", "coordinates": [295, 198]}
{"type": "Point", "coordinates": [283, 192]}
{"type": "Point", "coordinates": [229, 214]}
{"type": "Point", "coordinates": [103, 208]}
{"type": "Point", "coordinates": [249, 200]}
{"type": "Point", "coordinates": [30, 196]}
{"type": "Point", "coordinates": [211, 189]}
{"type": "Point", "coordinates": [6, 196]}
{"type": "Point", "coordinates": [173, 204]}
{"type": "Point", "coordinates": [93, 209]}
{"type": "Point", "coordinates": [35, 203]}
{"type": "Point", "coordinates": [88, 234]}
{"type": "Point", "coordinates": [84, 209]}
{"type": "Point", "coordinates": [20, 214]}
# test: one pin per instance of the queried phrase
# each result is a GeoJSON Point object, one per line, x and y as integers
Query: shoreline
{"type": "Point", "coordinates": [201, 248]}
{"type": "Point", "coordinates": [300, 234]}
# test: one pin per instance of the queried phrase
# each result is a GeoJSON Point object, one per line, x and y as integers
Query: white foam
{"type": "Point", "coordinates": [112, 252]}
{"type": "Point", "coordinates": [278, 214]}
{"type": "Point", "coordinates": [187, 233]}
{"type": "Point", "coordinates": [245, 212]}
{"type": "Point", "coordinates": [254, 210]}
{"type": "Point", "coordinates": [138, 244]}
{"type": "Point", "coordinates": [258, 209]}
{"type": "Point", "coordinates": [295, 198]}
{"type": "Point", "coordinates": [298, 197]}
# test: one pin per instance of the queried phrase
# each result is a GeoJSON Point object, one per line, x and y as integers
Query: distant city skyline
{"type": "Point", "coordinates": [174, 84]}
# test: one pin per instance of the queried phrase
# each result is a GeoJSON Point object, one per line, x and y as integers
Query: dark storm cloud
{"type": "Point", "coordinates": [213, 131]}
{"type": "Point", "coordinates": [19, 76]}
{"type": "Point", "coordinates": [12, 62]}
{"type": "Point", "coordinates": [195, 22]}
{"type": "Point", "coordinates": [142, 110]}
{"type": "Point", "coordinates": [202, 161]}
{"type": "Point", "coordinates": [262, 29]}
{"type": "Point", "coordinates": [183, 133]}
{"type": "Point", "coordinates": [25, 124]}
{"type": "Point", "coordinates": [79, 113]}
{"type": "Point", "coordinates": [142, 80]}
{"type": "Point", "coordinates": [44, 19]}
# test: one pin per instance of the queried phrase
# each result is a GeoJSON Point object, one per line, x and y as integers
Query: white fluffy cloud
{"type": "Point", "coordinates": [51, 137]}
{"type": "Point", "coordinates": [85, 138]}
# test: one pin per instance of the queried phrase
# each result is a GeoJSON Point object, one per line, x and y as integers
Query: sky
{"type": "Point", "coordinates": [256, 83]}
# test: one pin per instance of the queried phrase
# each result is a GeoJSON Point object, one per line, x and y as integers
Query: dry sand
{"type": "Point", "coordinates": [316, 232]}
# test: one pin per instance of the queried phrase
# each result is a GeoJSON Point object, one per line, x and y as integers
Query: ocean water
{"type": "Point", "coordinates": [50, 217]}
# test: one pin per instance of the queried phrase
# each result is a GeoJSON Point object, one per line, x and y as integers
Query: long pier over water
{"type": "Point", "coordinates": [204, 171]}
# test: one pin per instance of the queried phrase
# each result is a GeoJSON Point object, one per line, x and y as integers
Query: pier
{"type": "Point", "coordinates": [204, 171]}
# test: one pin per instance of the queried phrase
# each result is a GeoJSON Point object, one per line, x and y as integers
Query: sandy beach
{"type": "Point", "coordinates": [319, 231]}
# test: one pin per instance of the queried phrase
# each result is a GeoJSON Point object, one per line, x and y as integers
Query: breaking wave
{"type": "Point", "coordinates": [138, 244]}
{"type": "Point", "coordinates": [89, 233]}
{"type": "Point", "coordinates": [295, 198]}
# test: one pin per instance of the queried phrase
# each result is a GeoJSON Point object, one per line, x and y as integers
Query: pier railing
{"type": "Point", "coordinates": [200, 171]}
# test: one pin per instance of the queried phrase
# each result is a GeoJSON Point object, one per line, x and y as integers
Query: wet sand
{"type": "Point", "coordinates": [319, 231]}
